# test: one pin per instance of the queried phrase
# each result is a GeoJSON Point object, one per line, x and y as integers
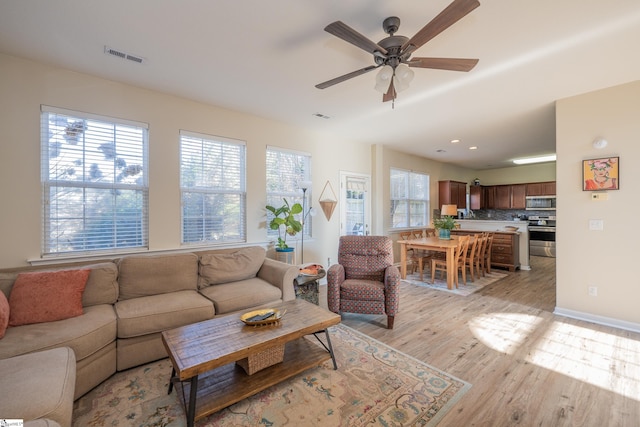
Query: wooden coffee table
{"type": "Point", "coordinates": [203, 355]}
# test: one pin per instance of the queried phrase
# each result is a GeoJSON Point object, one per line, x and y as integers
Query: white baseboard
{"type": "Point", "coordinates": [601, 320]}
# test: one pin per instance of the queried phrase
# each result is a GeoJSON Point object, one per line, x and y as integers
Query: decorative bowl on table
{"type": "Point", "coordinates": [263, 316]}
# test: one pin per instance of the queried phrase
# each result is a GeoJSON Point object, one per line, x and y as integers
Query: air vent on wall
{"type": "Point", "coordinates": [123, 55]}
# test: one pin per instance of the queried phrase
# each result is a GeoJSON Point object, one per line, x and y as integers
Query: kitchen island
{"type": "Point", "coordinates": [490, 225]}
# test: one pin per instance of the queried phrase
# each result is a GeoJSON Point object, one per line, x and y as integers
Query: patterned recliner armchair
{"type": "Point", "coordinates": [364, 280]}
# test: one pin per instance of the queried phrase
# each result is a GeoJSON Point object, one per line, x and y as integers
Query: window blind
{"type": "Point", "coordinates": [213, 189]}
{"type": "Point", "coordinates": [409, 198]}
{"type": "Point", "coordinates": [94, 182]}
{"type": "Point", "coordinates": [286, 169]}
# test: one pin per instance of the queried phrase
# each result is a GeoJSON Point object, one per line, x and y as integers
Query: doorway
{"type": "Point", "coordinates": [355, 204]}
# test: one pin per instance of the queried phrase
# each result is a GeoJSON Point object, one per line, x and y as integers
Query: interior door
{"type": "Point", "coordinates": [355, 204]}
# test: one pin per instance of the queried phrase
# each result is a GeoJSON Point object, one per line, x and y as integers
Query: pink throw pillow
{"type": "Point", "coordinates": [47, 296]}
{"type": "Point", "coordinates": [4, 314]}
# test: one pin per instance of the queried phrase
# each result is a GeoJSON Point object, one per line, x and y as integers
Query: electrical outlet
{"type": "Point", "coordinates": [593, 291]}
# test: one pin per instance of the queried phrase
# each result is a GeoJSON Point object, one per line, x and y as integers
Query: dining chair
{"type": "Point", "coordinates": [412, 259]}
{"type": "Point", "coordinates": [439, 264]}
{"type": "Point", "coordinates": [486, 259]}
{"type": "Point", "coordinates": [429, 232]}
{"type": "Point", "coordinates": [478, 260]}
{"type": "Point", "coordinates": [471, 256]}
{"type": "Point", "coordinates": [422, 255]}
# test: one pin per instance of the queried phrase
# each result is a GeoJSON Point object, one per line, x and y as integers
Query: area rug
{"type": "Point", "coordinates": [374, 385]}
{"type": "Point", "coordinates": [464, 290]}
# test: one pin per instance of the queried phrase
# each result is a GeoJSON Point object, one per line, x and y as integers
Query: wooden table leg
{"type": "Point", "coordinates": [403, 262]}
{"type": "Point", "coordinates": [451, 267]}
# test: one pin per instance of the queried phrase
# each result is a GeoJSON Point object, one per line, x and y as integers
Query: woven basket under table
{"type": "Point", "coordinates": [263, 359]}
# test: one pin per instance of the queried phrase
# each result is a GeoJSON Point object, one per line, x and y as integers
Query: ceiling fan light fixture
{"type": "Point", "coordinates": [402, 77]}
{"type": "Point", "coordinates": [383, 79]}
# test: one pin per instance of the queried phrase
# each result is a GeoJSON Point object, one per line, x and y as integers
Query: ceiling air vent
{"type": "Point", "coordinates": [123, 55]}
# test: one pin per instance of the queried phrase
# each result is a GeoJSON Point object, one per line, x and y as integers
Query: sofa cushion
{"type": "Point", "coordinates": [85, 334]}
{"type": "Point", "coordinates": [47, 296]}
{"type": "Point", "coordinates": [156, 313]}
{"type": "Point", "coordinates": [102, 286]}
{"type": "Point", "coordinates": [145, 275]}
{"type": "Point", "coordinates": [39, 385]}
{"type": "Point", "coordinates": [216, 268]}
{"type": "Point", "coordinates": [4, 314]}
{"type": "Point", "coordinates": [245, 294]}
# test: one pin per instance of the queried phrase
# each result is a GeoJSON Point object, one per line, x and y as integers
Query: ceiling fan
{"type": "Point", "coordinates": [393, 53]}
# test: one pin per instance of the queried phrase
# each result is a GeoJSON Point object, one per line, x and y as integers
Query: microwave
{"type": "Point", "coordinates": [540, 203]}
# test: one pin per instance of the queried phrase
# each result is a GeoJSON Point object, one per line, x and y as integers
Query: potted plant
{"type": "Point", "coordinates": [285, 222]}
{"type": "Point", "coordinates": [444, 225]}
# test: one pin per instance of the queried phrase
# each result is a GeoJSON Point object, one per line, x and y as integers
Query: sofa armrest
{"type": "Point", "coordinates": [280, 275]}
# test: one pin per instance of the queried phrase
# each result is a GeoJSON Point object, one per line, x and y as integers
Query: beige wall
{"type": "Point", "coordinates": [518, 174]}
{"type": "Point", "coordinates": [26, 85]}
{"type": "Point", "coordinates": [607, 259]}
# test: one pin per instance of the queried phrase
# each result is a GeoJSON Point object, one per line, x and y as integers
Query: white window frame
{"type": "Point", "coordinates": [286, 169]}
{"type": "Point", "coordinates": [219, 180]}
{"type": "Point", "coordinates": [412, 194]}
{"type": "Point", "coordinates": [95, 191]}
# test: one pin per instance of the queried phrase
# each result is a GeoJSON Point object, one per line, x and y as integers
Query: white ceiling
{"type": "Point", "coordinates": [265, 57]}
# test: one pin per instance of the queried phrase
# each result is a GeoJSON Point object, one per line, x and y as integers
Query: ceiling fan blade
{"type": "Point", "coordinates": [453, 64]}
{"type": "Point", "coordinates": [391, 93]}
{"type": "Point", "coordinates": [346, 77]}
{"type": "Point", "coordinates": [348, 34]}
{"type": "Point", "coordinates": [449, 16]}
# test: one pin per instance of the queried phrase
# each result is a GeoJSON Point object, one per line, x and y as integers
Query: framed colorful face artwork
{"type": "Point", "coordinates": [601, 174]}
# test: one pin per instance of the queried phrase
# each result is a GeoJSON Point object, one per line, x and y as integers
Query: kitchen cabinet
{"type": "Point", "coordinates": [489, 193]}
{"type": "Point", "coordinates": [541, 188]}
{"type": "Point", "coordinates": [476, 197]}
{"type": "Point", "coordinates": [505, 250]}
{"type": "Point", "coordinates": [452, 193]}
{"type": "Point", "coordinates": [518, 196]}
{"type": "Point", "coordinates": [503, 197]}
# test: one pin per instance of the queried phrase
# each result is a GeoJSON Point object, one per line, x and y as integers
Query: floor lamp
{"type": "Point", "coordinates": [304, 185]}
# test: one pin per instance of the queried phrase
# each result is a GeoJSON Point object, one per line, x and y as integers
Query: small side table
{"type": "Point", "coordinates": [306, 286]}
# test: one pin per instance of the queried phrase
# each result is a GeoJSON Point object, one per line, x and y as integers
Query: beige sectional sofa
{"type": "Point", "coordinates": [128, 302]}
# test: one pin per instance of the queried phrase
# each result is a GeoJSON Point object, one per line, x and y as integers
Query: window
{"type": "Point", "coordinates": [285, 171]}
{"type": "Point", "coordinates": [409, 199]}
{"type": "Point", "coordinates": [213, 189]}
{"type": "Point", "coordinates": [94, 180]}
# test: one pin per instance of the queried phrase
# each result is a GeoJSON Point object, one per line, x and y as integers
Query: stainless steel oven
{"type": "Point", "coordinates": [542, 236]}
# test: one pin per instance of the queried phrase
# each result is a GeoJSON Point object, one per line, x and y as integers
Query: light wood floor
{"type": "Point", "coordinates": [527, 366]}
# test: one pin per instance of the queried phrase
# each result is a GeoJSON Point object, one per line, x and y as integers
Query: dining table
{"type": "Point", "coordinates": [431, 244]}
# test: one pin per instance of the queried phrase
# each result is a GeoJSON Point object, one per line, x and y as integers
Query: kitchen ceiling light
{"type": "Point", "coordinates": [539, 159]}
